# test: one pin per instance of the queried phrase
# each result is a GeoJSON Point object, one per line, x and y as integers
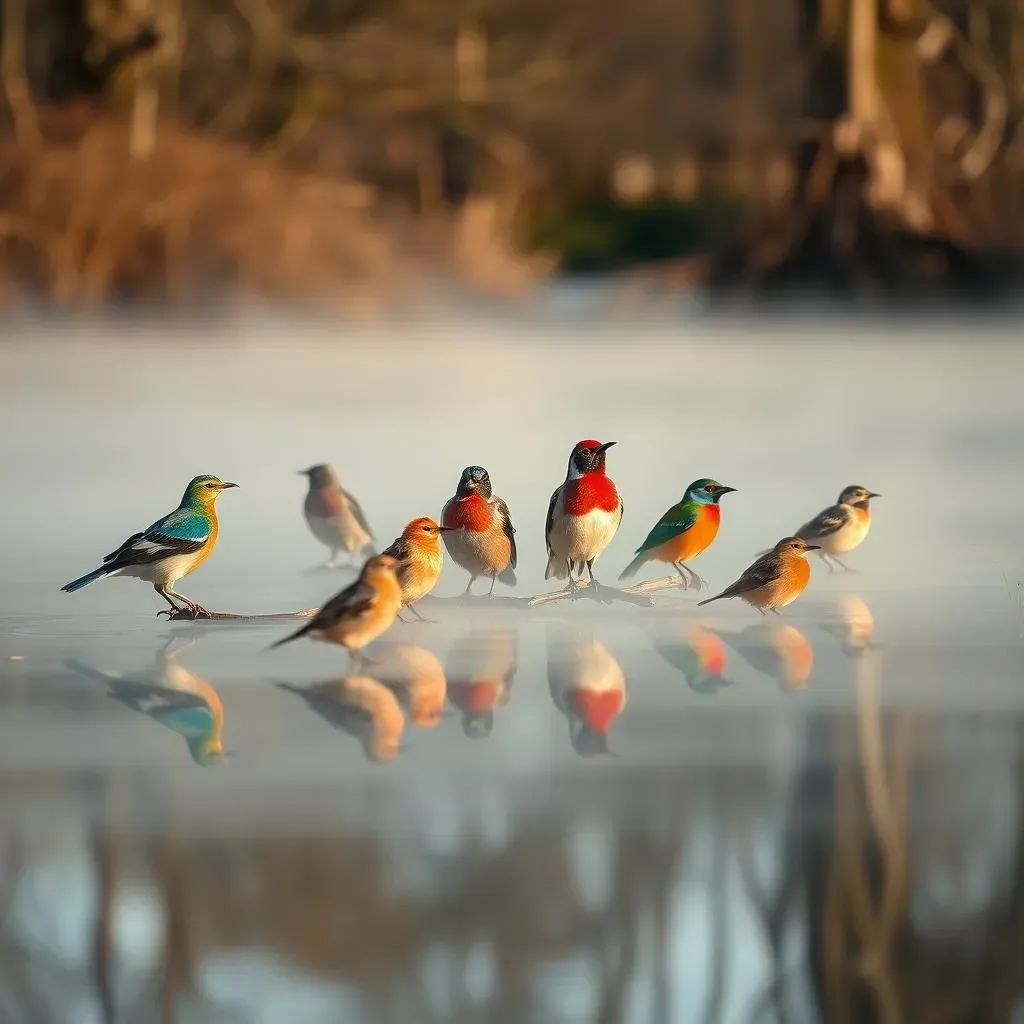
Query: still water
{"type": "Point", "coordinates": [570, 812]}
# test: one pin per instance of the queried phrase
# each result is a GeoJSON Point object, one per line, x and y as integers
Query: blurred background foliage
{"type": "Point", "coordinates": [175, 149]}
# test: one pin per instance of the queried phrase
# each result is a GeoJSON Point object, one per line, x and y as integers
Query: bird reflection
{"type": "Point", "coordinates": [417, 677]}
{"type": "Point", "coordinates": [853, 625]}
{"type": "Point", "coordinates": [695, 651]}
{"type": "Point", "coordinates": [363, 707]}
{"type": "Point", "coordinates": [778, 650]}
{"type": "Point", "coordinates": [480, 668]}
{"type": "Point", "coordinates": [173, 696]}
{"type": "Point", "coordinates": [587, 686]}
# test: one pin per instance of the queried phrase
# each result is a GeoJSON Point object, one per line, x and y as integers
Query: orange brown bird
{"type": "Point", "coordinates": [360, 613]}
{"type": "Point", "coordinates": [420, 558]}
{"type": "Point", "coordinates": [775, 579]}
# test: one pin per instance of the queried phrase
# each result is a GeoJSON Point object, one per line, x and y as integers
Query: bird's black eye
{"type": "Point", "coordinates": [426, 529]}
{"type": "Point", "coordinates": [209, 485]}
{"type": "Point", "coordinates": [711, 488]}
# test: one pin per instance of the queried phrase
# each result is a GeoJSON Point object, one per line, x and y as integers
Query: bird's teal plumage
{"type": "Point", "coordinates": [683, 515]}
{"type": "Point", "coordinates": [678, 519]}
{"type": "Point", "coordinates": [169, 548]}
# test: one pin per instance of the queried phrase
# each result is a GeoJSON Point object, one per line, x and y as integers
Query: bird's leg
{"type": "Point", "coordinates": [825, 559]}
{"type": "Point", "coordinates": [175, 609]}
{"type": "Point", "coordinates": [697, 581]}
{"type": "Point", "coordinates": [193, 606]}
{"type": "Point", "coordinates": [573, 586]}
{"type": "Point", "coordinates": [469, 586]}
{"type": "Point", "coordinates": [494, 577]}
{"type": "Point", "coordinates": [679, 567]}
{"type": "Point", "coordinates": [420, 618]}
{"type": "Point", "coordinates": [398, 615]}
{"type": "Point", "coordinates": [598, 589]}
{"type": "Point", "coordinates": [774, 610]}
{"type": "Point", "coordinates": [333, 560]}
{"type": "Point", "coordinates": [842, 564]}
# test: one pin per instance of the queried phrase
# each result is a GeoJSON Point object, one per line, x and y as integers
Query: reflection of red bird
{"type": "Point", "coordinates": [587, 685]}
{"type": "Point", "coordinates": [480, 668]}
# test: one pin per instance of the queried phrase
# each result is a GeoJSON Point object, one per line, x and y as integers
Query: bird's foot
{"type": "Point", "coordinates": [573, 588]}
{"type": "Point", "coordinates": [601, 593]}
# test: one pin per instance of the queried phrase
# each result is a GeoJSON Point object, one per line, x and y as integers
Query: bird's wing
{"type": "Point", "coordinates": [354, 601]}
{"type": "Point", "coordinates": [183, 532]}
{"type": "Point", "coordinates": [764, 571]}
{"type": "Point", "coordinates": [357, 511]}
{"type": "Point", "coordinates": [675, 521]}
{"type": "Point", "coordinates": [505, 518]}
{"type": "Point", "coordinates": [399, 548]}
{"type": "Point", "coordinates": [550, 518]}
{"type": "Point", "coordinates": [824, 523]}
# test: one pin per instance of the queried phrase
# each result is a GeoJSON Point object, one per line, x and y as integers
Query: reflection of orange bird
{"type": "Point", "coordinates": [480, 668]}
{"type": "Point", "coordinates": [696, 652]}
{"type": "Point", "coordinates": [780, 651]}
{"type": "Point", "coordinates": [363, 708]}
{"type": "Point", "coordinates": [418, 678]}
{"type": "Point", "coordinates": [587, 686]}
{"type": "Point", "coordinates": [775, 579]}
{"type": "Point", "coordinates": [420, 558]}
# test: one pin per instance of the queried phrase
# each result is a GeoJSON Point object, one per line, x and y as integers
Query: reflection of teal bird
{"type": "Point", "coordinates": [170, 548]}
{"type": "Point", "coordinates": [175, 698]}
{"type": "Point", "coordinates": [683, 532]}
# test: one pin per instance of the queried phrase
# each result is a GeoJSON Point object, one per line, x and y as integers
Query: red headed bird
{"type": "Point", "coordinates": [479, 534]}
{"type": "Point", "coordinates": [583, 515]}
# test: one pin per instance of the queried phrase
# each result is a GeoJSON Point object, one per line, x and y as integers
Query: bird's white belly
{"type": "Point", "coordinates": [849, 536]}
{"type": "Point", "coordinates": [582, 538]}
{"type": "Point", "coordinates": [166, 572]}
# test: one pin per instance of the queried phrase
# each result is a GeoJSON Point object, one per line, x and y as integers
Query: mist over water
{"type": "Point", "coordinates": [488, 871]}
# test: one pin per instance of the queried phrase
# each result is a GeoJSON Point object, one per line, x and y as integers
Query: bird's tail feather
{"type": "Point", "coordinates": [301, 631]}
{"type": "Point", "coordinates": [633, 568]}
{"type": "Point", "coordinates": [556, 569]}
{"type": "Point", "coordinates": [89, 577]}
{"type": "Point", "coordinates": [508, 577]}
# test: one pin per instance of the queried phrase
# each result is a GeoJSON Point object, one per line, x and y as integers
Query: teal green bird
{"type": "Point", "coordinates": [683, 532]}
{"type": "Point", "coordinates": [170, 548]}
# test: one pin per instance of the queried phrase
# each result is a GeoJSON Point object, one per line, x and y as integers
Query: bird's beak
{"type": "Point", "coordinates": [446, 529]}
{"type": "Point", "coordinates": [225, 485]}
{"type": "Point", "coordinates": [726, 490]}
{"type": "Point", "coordinates": [813, 547]}
{"type": "Point", "coordinates": [604, 447]}
{"type": "Point", "coordinates": [872, 494]}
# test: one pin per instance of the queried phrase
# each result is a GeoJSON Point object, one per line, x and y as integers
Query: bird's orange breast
{"type": "Point", "coordinates": [596, 709]}
{"type": "Point", "coordinates": [476, 696]}
{"type": "Point", "coordinates": [693, 541]}
{"type": "Point", "coordinates": [469, 513]}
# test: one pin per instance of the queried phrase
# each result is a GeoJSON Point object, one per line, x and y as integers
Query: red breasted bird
{"type": "Point", "coordinates": [841, 527]}
{"type": "Point", "coordinates": [334, 516]}
{"type": "Point", "coordinates": [587, 686]}
{"type": "Point", "coordinates": [683, 532]}
{"type": "Point", "coordinates": [420, 557]}
{"type": "Point", "coordinates": [480, 668]}
{"type": "Point", "coordinates": [479, 534]}
{"type": "Point", "coordinates": [360, 613]}
{"type": "Point", "coordinates": [775, 579]}
{"type": "Point", "coordinates": [583, 514]}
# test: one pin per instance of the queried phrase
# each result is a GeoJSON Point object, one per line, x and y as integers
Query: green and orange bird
{"type": "Point", "coordinates": [169, 549]}
{"type": "Point", "coordinates": [683, 532]}
{"type": "Point", "coordinates": [776, 579]}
